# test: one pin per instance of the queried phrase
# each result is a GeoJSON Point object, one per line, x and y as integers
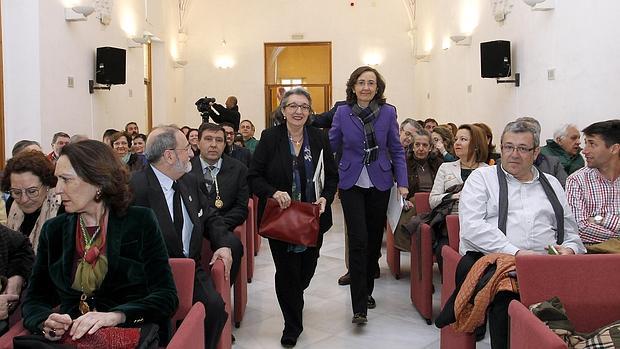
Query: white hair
{"type": "Point", "coordinates": [562, 131]}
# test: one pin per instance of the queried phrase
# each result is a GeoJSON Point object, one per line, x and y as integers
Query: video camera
{"type": "Point", "coordinates": [203, 105]}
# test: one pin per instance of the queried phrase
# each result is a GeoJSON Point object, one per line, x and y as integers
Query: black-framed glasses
{"type": "Point", "coordinates": [293, 107]}
{"type": "Point", "coordinates": [509, 148]}
{"type": "Point", "coordinates": [32, 192]}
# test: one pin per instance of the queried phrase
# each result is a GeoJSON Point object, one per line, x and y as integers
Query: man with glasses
{"type": "Point", "coordinates": [236, 152]}
{"type": "Point", "coordinates": [594, 191]}
{"type": "Point", "coordinates": [185, 218]}
{"type": "Point", "coordinates": [513, 208]}
{"type": "Point", "coordinates": [225, 178]}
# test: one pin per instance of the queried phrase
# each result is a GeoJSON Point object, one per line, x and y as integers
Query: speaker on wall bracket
{"type": "Point", "coordinates": [495, 61]}
{"type": "Point", "coordinates": [110, 68]}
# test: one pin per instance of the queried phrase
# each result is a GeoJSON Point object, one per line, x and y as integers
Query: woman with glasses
{"type": "Point", "coordinates": [365, 132]}
{"type": "Point", "coordinates": [103, 263]}
{"type": "Point", "coordinates": [283, 168]}
{"type": "Point", "coordinates": [29, 180]}
{"type": "Point", "coordinates": [121, 143]}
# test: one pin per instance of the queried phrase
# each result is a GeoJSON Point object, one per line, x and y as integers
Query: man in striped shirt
{"type": "Point", "coordinates": [593, 192]}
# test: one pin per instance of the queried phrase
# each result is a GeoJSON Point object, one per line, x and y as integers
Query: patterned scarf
{"type": "Point", "coordinates": [296, 189]}
{"type": "Point", "coordinates": [92, 267]}
{"type": "Point", "coordinates": [367, 116]}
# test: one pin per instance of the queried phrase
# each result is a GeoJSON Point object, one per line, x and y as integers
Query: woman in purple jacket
{"type": "Point", "coordinates": [365, 132]}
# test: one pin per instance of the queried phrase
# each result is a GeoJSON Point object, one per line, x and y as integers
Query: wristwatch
{"type": "Point", "coordinates": [598, 219]}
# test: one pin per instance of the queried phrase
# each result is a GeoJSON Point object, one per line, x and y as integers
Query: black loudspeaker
{"type": "Point", "coordinates": [110, 69]}
{"type": "Point", "coordinates": [495, 59]}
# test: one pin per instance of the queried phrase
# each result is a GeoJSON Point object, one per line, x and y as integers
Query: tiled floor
{"type": "Point", "coordinates": [393, 324]}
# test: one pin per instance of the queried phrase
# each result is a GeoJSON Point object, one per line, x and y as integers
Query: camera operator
{"type": "Point", "coordinates": [219, 113]}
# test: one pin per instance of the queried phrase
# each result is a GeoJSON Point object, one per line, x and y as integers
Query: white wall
{"type": "Point", "coordinates": [577, 39]}
{"type": "Point", "coordinates": [41, 52]}
{"type": "Point", "coordinates": [369, 26]}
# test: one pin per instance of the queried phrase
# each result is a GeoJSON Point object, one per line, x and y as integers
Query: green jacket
{"type": "Point", "coordinates": [570, 163]}
{"type": "Point", "coordinates": [138, 283]}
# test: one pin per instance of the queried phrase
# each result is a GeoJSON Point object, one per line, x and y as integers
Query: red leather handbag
{"type": "Point", "coordinates": [298, 224]}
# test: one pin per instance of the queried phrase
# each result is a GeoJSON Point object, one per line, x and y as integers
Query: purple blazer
{"type": "Point", "coordinates": [347, 138]}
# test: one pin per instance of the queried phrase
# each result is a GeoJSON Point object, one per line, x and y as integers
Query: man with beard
{"type": "Point", "coordinates": [182, 211]}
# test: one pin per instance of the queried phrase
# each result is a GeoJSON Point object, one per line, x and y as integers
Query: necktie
{"type": "Point", "coordinates": [209, 177]}
{"type": "Point", "coordinates": [177, 211]}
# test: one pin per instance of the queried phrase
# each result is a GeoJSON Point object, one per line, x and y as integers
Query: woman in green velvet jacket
{"type": "Point", "coordinates": [103, 263]}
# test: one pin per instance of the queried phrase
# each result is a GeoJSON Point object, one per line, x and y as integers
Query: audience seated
{"type": "Point", "coordinates": [594, 191]}
{"type": "Point", "coordinates": [430, 124]}
{"type": "Point", "coordinates": [121, 143]}
{"type": "Point", "coordinates": [105, 138]}
{"type": "Point", "coordinates": [422, 164]}
{"type": "Point", "coordinates": [407, 131]}
{"type": "Point", "coordinates": [185, 219]}
{"type": "Point", "coordinates": [29, 180]}
{"type": "Point", "coordinates": [443, 142]}
{"type": "Point", "coordinates": [511, 209]}
{"type": "Point", "coordinates": [59, 140]}
{"type": "Point", "coordinates": [138, 142]}
{"type": "Point", "coordinates": [16, 258]}
{"type": "Point", "coordinates": [132, 129]}
{"type": "Point", "coordinates": [224, 178]}
{"type": "Point", "coordinates": [192, 138]}
{"type": "Point", "coordinates": [565, 145]}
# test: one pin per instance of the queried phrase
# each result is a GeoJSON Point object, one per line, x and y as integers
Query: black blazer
{"type": "Point", "coordinates": [147, 192]}
{"type": "Point", "coordinates": [272, 168]}
{"type": "Point", "coordinates": [16, 255]}
{"type": "Point", "coordinates": [233, 184]}
{"type": "Point", "coordinates": [139, 281]}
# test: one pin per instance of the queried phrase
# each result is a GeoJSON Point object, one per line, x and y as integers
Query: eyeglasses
{"type": "Point", "coordinates": [509, 148]}
{"type": "Point", "coordinates": [369, 83]}
{"type": "Point", "coordinates": [229, 132]}
{"type": "Point", "coordinates": [31, 192]}
{"type": "Point", "coordinates": [293, 107]}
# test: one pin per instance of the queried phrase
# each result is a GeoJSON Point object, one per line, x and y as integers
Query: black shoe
{"type": "Point", "coordinates": [371, 303]}
{"type": "Point", "coordinates": [232, 338]}
{"type": "Point", "coordinates": [359, 319]}
{"type": "Point", "coordinates": [288, 341]}
{"type": "Point", "coordinates": [344, 279]}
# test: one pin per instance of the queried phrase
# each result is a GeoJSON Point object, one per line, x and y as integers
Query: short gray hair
{"type": "Point", "coordinates": [157, 144]}
{"type": "Point", "coordinates": [424, 133]}
{"type": "Point", "coordinates": [522, 126]}
{"type": "Point", "coordinates": [411, 122]}
{"type": "Point", "coordinates": [532, 121]}
{"type": "Point", "coordinates": [562, 131]}
{"type": "Point", "coordinates": [295, 91]}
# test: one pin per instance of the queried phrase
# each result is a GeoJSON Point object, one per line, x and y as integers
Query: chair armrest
{"type": "Point", "coordinates": [6, 341]}
{"type": "Point", "coordinates": [191, 332]}
{"type": "Point", "coordinates": [223, 288]}
{"type": "Point", "coordinates": [451, 260]}
{"type": "Point", "coordinates": [527, 331]}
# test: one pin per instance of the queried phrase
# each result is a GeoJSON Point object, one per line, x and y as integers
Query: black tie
{"type": "Point", "coordinates": [209, 177]}
{"type": "Point", "coordinates": [177, 211]}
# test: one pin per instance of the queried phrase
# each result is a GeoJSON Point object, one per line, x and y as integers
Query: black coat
{"type": "Point", "coordinates": [233, 185]}
{"type": "Point", "coordinates": [16, 256]}
{"type": "Point", "coordinates": [272, 168]}
{"type": "Point", "coordinates": [148, 193]}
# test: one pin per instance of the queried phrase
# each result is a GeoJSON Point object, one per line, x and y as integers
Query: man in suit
{"type": "Point", "coordinates": [185, 218]}
{"type": "Point", "coordinates": [225, 179]}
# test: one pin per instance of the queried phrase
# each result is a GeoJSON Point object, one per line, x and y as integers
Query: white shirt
{"type": "Point", "coordinates": [216, 167]}
{"type": "Point", "coordinates": [531, 220]}
{"type": "Point", "coordinates": [166, 185]}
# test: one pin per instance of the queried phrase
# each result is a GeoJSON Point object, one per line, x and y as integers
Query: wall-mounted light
{"type": "Point", "coordinates": [461, 40]}
{"type": "Point", "coordinates": [78, 13]}
{"type": "Point", "coordinates": [224, 62]}
{"type": "Point", "coordinates": [372, 59]}
{"type": "Point", "coordinates": [540, 5]}
{"type": "Point", "coordinates": [426, 57]}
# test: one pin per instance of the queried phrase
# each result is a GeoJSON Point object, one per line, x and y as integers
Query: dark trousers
{"type": "Point", "coordinates": [293, 274]}
{"type": "Point", "coordinates": [498, 319]}
{"type": "Point", "coordinates": [364, 214]}
{"type": "Point", "coordinates": [205, 292]}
